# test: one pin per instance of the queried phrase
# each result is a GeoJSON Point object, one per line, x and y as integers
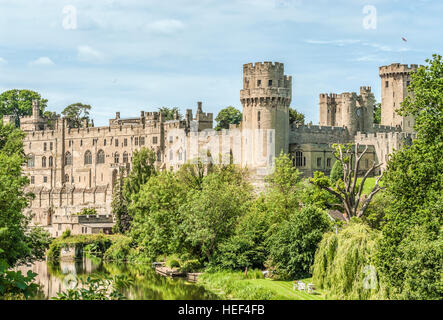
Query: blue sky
{"type": "Point", "coordinates": [133, 55]}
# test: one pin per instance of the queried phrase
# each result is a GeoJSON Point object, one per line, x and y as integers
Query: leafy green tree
{"type": "Point", "coordinates": [210, 215]}
{"type": "Point", "coordinates": [413, 181]}
{"type": "Point", "coordinates": [337, 172]}
{"type": "Point", "coordinates": [76, 113]}
{"type": "Point", "coordinates": [377, 113]}
{"type": "Point", "coordinates": [296, 117]}
{"type": "Point", "coordinates": [143, 167]}
{"type": "Point", "coordinates": [227, 116]}
{"type": "Point", "coordinates": [171, 113]}
{"type": "Point", "coordinates": [156, 225]}
{"type": "Point", "coordinates": [119, 207]}
{"type": "Point", "coordinates": [19, 102]}
{"type": "Point", "coordinates": [292, 247]}
{"type": "Point", "coordinates": [283, 194]}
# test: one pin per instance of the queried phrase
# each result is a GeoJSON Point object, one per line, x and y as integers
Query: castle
{"type": "Point", "coordinates": [75, 168]}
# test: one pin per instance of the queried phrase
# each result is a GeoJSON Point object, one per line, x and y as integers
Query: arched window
{"type": "Point", "coordinates": [66, 178]}
{"type": "Point", "coordinates": [116, 157]}
{"type": "Point", "coordinates": [51, 161]}
{"type": "Point", "coordinates": [100, 156]}
{"type": "Point", "coordinates": [88, 157]}
{"type": "Point", "coordinates": [68, 158]}
{"type": "Point", "coordinates": [43, 162]}
{"type": "Point", "coordinates": [299, 159]}
{"type": "Point", "coordinates": [31, 161]}
{"type": "Point", "coordinates": [125, 157]}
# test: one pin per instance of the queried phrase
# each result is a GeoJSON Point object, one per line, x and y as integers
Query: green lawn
{"type": "Point", "coordinates": [284, 289]}
{"type": "Point", "coordinates": [369, 184]}
{"type": "Point", "coordinates": [234, 285]}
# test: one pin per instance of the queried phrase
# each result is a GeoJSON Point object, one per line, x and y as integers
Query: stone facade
{"type": "Point", "coordinates": [71, 169]}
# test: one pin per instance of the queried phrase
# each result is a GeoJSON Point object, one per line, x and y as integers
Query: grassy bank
{"type": "Point", "coordinates": [234, 285]}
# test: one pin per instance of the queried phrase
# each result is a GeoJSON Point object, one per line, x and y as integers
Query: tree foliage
{"type": "Point", "coordinates": [413, 181]}
{"type": "Point", "coordinates": [227, 116]}
{"type": "Point", "coordinates": [76, 113]}
{"type": "Point", "coordinates": [18, 103]}
{"type": "Point", "coordinates": [296, 117]}
{"type": "Point", "coordinates": [171, 113]}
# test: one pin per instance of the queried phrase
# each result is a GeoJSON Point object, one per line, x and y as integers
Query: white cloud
{"type": "Point", "coordinates": [370, 58]}
{"type": "Point", "coordinates": [86, 53]}
{"type": "Point", "coordinates": [42, 61]}
{"type": "Point", "coordinates": [168, 26]}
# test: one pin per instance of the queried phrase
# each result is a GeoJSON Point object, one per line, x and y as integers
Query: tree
{"type": "Point", "coordinates": [76, 113]}
{"type": "Point", "coordinates": [292, 247]}
{"type": "Point", "coordinates": [210, 215]}
{"type": "Point", "coordinates": [413, 181]}
{"type": "Point", "coordinates": [296, 117]}
{"type": "Point", "coordinates": [143, 167]}
{"type": "Point", "coordinates": [19, 102]}
{"type": "Point", "coordinates": [17, 243]}
{"type": "Point", "coordinates": [227, 116]}
{"type": "Point", "coordinates": [337, 172]}
{"type": "Point", "coordinates": [377, 113]}
{"type": "Point", "coordinates": [347, 191]}
{"type": "Point", "coordinates": [119, 207]}
{"type": "Point", "coordinates": [171, 113]}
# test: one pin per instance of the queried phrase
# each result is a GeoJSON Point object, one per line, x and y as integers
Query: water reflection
{"type": "Point", "coordinates": [147, 285]}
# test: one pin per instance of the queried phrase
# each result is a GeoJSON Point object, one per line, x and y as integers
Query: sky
{"type": "Point", "coordinates": [131, 55]}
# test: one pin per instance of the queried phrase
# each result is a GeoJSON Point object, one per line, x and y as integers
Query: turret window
{"type": "Point", "coordinates": [44, 162]}
{"type": "Point", "coordinates": [51, 161]}
{"type": "Point", "coordinates": [270, 83]}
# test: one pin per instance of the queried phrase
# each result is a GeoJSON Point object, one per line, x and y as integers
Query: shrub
{"type": "Point", "coordinates": [191, 266]}
{"type": "Point", "coordinates": [119, 250]}
{"type": "Point", "coordinates": [337, 172]}
{"type": "Point", "coordinates": [66, 233]}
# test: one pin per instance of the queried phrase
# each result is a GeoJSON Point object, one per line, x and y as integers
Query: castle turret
{"type": "Point", "coordinates": [395, 80]}
{"type": "Point", "coordinates": [265, 97]}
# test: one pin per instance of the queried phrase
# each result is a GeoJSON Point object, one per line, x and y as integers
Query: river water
{"type": "Point", "coordinates": [146, 284]}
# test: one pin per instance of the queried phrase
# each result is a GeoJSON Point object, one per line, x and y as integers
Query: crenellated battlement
{"type": "Point", "coordinates": [262, 67]}
{"type": "Point", "coordinates": [397, 68]}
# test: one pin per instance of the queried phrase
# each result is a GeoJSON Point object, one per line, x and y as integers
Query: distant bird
{"type": "Point", "coordinates": [404, 39]}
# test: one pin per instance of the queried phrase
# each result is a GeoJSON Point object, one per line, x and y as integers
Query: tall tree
{"type": "Point", "coordinates": [346, 190]}
{"type": "Point", "coordinates": [171, 113]}
{"type": "Point", "coordinates": [413, 181]}
{"type": "Point", "coordinates": [296, 117]}
{"type": "Point", "coordinates": [227, 116]}
{"type": "Point", "coordinates": [377, 113]}
{"type": "Point", "coordinates": [76, 113]}
{"type": "Point", "coordinates": [19, 102]}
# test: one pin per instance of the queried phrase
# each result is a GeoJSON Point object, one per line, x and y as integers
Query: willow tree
{"type": "Point", "coordinates": [347, 190]}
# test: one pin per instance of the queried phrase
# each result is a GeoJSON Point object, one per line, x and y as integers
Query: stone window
{"type": "Point", "coordinates": [43, 162]}
{"type": "Point", "coordinates": [142, 141]}
{"type": "Point", "coordinates": [258, 83]}
{"type": "Point", "coordinates": [116, 142]}
{"type": "Point", "coordinates": [51, 161]}
{"type": "Point", "coordinates": [116, 157]}
{"type": "Point", "coordinates": [104, 142]}
{"type": "Point", "coordinates": [318, 162]}
{"type": "Point", "coordinates": [44, 146]}
{"type": "Point", "coordinates": [31, 161]}
{"type": "Point", "coordinates": [270, 83]}
{"type": "Point", "coordinates": [125, 142]}
{"type": "Point", "coordinates": [68, 159]}
{"type": "Point", "coordinates": [51, 145]}
{"type": "Point", "coordinates": [258, 116]}
{"type": "Point", "coordinates": [136, 141]}
{"type": "Point", "coordinates": [100, 157]}
{"type": "Point", "coordinates": [88, 157]}
{"type": "Point", "coordinates": [154, 140]}
{"type": "Point", "coordinates": [328, 162]}
{"type": "Point", "coordinates": [32, 179]}
{"type": "Point", "coordinates": [299, 159]}
{"type": "Point", "coordinates": [45, 179]}
{"type": "Point", "coordinates": [81, 143]}
{"type": "Point", "coordinates": [125, 157]}
{"type": "Point", "coordinates": [387, 84]}
{"type": "Point", "coordinates": [66, 177]}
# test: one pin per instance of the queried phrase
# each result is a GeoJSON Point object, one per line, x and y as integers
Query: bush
{"type": "Point", "coordinates": [344, 262]}
{"type": "Point", "coordinates": [66, 233]}
{"type": "Point", "coordinates": [173, 263]}
{"type": "Point", "coordinates": [191, 266]}
{"type": "Point", "coordinates": [337, 172]}
{"type": "Point", "coordinates": [292, 247]}
{"type": "Point", "coordinates": [119, 250]}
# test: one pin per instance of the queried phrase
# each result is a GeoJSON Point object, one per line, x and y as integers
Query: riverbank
{"type": "Point", "coordinates": [235, 285]}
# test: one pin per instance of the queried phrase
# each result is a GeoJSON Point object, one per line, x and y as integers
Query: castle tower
{"type": "Point", "coordinates": [265, 97]}
{"type": "Point", "coordinates": [395, 80]}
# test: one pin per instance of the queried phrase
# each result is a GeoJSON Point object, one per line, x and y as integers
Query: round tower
{"type": "Point", "coordinates": [265, 97]}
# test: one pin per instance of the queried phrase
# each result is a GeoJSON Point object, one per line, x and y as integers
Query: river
{"type": "Point", "coordinates": [146, 284]}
